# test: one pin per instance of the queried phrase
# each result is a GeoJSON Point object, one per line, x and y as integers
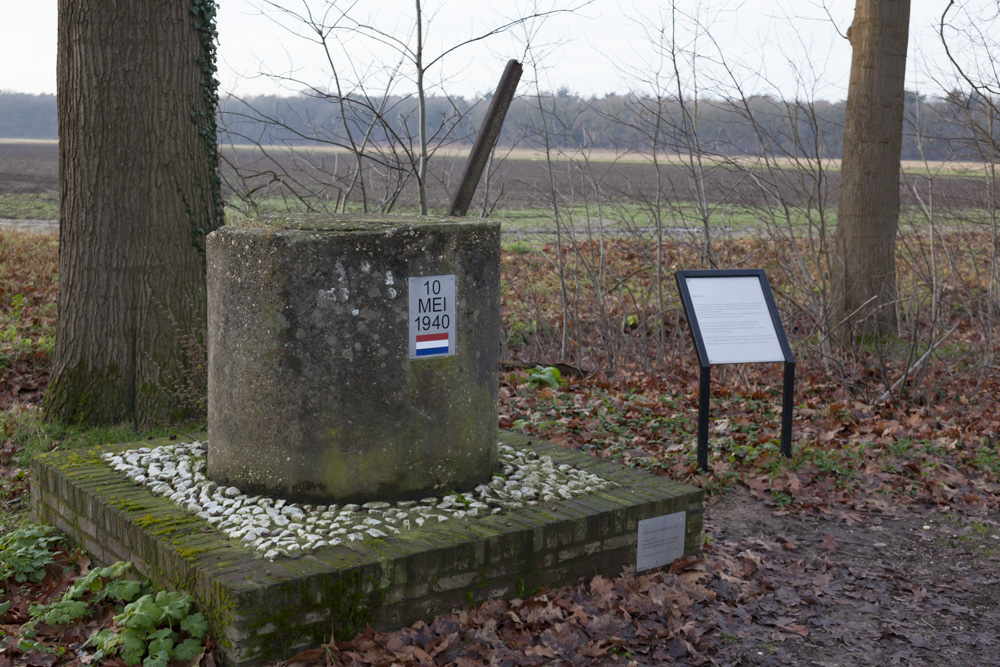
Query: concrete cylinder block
{"type": "Point", "coordinates": [353, 359]}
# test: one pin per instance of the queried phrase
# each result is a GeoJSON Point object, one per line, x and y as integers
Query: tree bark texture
{"type": "Point", "coordinates": [864, 265]}
{"type": "Point", "coordinates": [139, 192]}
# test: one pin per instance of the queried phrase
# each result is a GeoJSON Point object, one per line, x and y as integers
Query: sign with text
{"type": "Point", "coordinates": [432, 316]}
{"type": "Point", "coordinates": [734, 319]}
{"type": "Point", "coordinates": [661, 541]}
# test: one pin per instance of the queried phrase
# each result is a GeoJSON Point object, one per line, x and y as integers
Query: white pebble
{"type": "Point", "coordinates": [177, 472]}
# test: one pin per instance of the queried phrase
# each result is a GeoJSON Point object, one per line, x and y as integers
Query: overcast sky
{"type": "Point", "coordinates": [604, 47]}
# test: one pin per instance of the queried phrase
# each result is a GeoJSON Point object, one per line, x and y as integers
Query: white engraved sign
{"type": "Point", "coordinates": [734, 320]}
{"type": "Point", "coordinates": [432, 316]}
{"type": "Point", "coordinates": [661, 541]}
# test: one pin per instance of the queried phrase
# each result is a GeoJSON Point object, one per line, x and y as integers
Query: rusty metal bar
{"type": "Point", "coordinates": [487, 139]}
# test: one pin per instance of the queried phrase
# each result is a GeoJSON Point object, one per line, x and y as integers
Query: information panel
{"type": "Point", "coordinates": [661, 541]}
{"type": "Point", "coordinates": [734, 320]}
{"type": "Point", "coordinates": [432, 316]}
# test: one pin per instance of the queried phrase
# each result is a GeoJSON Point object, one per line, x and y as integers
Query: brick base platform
{"type": "Point", "coordinates": [260, 610]}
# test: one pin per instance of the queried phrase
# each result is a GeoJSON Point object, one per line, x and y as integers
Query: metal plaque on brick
{"type": "Point", "coordinates": [661, 541]}
{"type": "Point", "coordinates": [432, 316]}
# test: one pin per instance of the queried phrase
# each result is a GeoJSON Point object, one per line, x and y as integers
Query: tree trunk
{"type": "Point", "coordinates": [864, 265]}
{"type": "Point", "coordinates": [138, 174]}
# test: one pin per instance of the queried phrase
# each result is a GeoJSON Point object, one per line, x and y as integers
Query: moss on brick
{"type": "Point", "coordinates": [261, 611]}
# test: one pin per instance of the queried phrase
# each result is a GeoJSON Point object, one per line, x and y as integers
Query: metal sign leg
{"type": "Point", "coordinates": [788, 398]}
{"type": "Point", "coordinates": [704, 390]}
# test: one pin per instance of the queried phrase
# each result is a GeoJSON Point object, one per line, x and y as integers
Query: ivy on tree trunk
{"type": "Point", "coordinates": [138, 175]}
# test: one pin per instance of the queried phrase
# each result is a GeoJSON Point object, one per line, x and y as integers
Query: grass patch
{"type": "Point", "coordinates": [25, 433]}
{"type": "Point", "coordinates": [30, 433]}
{"type": "Point", "coordinates": [30, 205]}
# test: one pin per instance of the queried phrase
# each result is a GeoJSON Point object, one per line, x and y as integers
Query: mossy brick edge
{"type": "Point", "coordinates": [260, 611]}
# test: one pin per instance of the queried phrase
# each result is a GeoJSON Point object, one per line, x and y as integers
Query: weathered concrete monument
{"type": "Point", "coordinates": [353, 360]}
{"type": "Point", "coordinates": [354, 473]}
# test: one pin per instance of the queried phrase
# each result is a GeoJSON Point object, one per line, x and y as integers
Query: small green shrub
{"type": "Point", "coordinates": [27, 551]}
{"type": "Point", "coordinates": [151, 629]}
{"type": "Point", "coordinates": [155, 628]}
{"type": "Point", "coordinates": [548, 376]}
{"type": "Point", "coordinates": [520, 333]}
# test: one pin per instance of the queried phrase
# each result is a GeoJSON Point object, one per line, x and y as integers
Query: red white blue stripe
{"type": "Point", "coordinates": [431, 344]}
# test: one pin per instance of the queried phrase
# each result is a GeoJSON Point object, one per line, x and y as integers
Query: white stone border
{"type": "Point", "coordinates": [274, 528]}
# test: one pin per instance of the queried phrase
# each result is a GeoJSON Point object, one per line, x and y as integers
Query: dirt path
{"type": "Point", "coordinates": [905, 587]}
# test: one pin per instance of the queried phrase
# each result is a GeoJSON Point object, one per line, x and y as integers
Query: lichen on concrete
{"type": "Point", "coordinates": [312, 395]}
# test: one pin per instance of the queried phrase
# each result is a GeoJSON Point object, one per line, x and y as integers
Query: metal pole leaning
{"type": "Point", "coordinates": [487, 138]}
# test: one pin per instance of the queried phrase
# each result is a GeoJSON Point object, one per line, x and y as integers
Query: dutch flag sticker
{"type": "Point", "coordinates": [432, 316]}
{"type": "Point", "coordinates": [432, 344]}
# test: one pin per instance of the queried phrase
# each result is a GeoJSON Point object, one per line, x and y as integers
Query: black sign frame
{"type": "Point", "coordinates": [705, 380]}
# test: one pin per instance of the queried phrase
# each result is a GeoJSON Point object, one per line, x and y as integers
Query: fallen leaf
{"type": "Point", "coordinates": [795, 629]}
{"type": "Point", "coordinates": [787, 543]}
{"type": "Point", "coordinates": [543, 651]}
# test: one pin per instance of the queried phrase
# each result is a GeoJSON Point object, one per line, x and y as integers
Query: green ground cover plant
{"type": "Point", "coordinates": [27, 552]}
{"type": "Point", "coordinates": [124, 617]}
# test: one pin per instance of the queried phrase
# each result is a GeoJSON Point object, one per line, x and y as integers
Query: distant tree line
{"type": "Point", "coordinates": [935, 128]}
{"type": "Point", "coordinates": [24, 116]}
{"type": "Point", "coordinates": [940, 128]}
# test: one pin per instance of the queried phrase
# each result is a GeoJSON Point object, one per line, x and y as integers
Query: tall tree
{"type": "Point", "coordinates": [864, 265]}
{"type": "Point", "coordinates": [138, 174]}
